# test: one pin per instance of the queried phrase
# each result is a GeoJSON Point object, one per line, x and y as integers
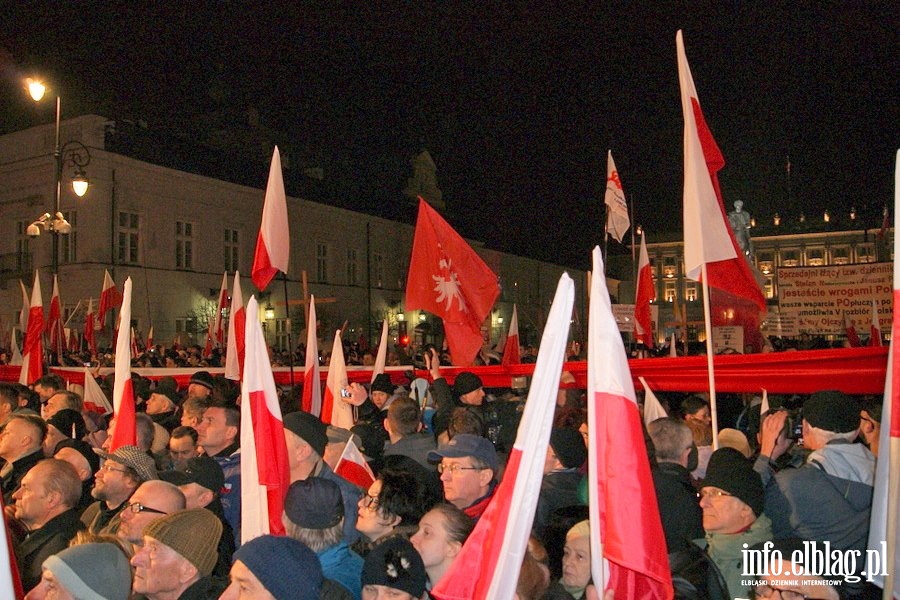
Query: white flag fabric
{"type": "Point", "coordinates": [237, 322]}
{"type": "Point", "coordinates": [653, 410]}
{"type": "Point", "coordinates": [335, 410]}
{"type": "Point", "coordinates": [764, 405]}
{"type": "Point", "coordinates": [94, 398]}
{"type": "Point", "coordinates": [381, 357]}
{"type": "Point", "coordinates": [617, 220]}
{"type": "Point", "coordinates": [273, 244]}
{"type": "Point", "coordinates": [353, 467]}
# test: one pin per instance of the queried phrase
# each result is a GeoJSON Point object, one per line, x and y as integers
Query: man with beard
{"type": "Point", "coordinates": [121, 474]}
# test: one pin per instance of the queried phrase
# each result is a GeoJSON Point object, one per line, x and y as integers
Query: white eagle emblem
{"type": "Point", "coordinates": [447, 286]}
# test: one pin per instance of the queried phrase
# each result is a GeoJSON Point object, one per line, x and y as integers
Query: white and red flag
{"type": "Point", "coordinates": [353, 467]}
{"type": "Point", "coordinates": [109, 298]}
{"type": "Point", "coordinates": [852, 336]}
{"type": "Point", "coordinates": [617, 220]}
{"type": "Point", "coordinates": [124, 432]}
{"type": "Point", "coordinates": [653, 410]}
{"type": "Point", "coordinates": [884, 526]}
{"type": "Point", "coordinates": [626, 529]}
{"type": "Point", "coordinates": [381, 356]}
{"type": "Point", "coordinates": [150, 338]}
{"type": "Point", "coordinates": [90, 328]}
{"type": "Point", "coordinates": [265, 476]}
{"type": "Point", "coordinates": [764, 403]}
{"type": "Point", "coordinates": [54, 326]}
{"type": "Point", "coordinates": [134, 345]}
{"type": "Point", "coordinates": [335, 411]}
{"type": "Point", "coordinates": [10, 581]}
{"type": "Point", "coordinates": [447, 278]}
{"type": "Point", "coordinates": [511, 354]}
{"type": "Point", "coordinates": [644, 295]}
{"type": "Point", "coordinates": [488, 564]}
{"type": "Point", "coordinates": [875, 327]}
{"type": "Point", "coordinates": [312, 385]}
{"type": "Point", "coordinates": [708, 237]}
{"type": "Point", "coordinates": [33, 346]}
{"type": "Point", "coordinates": [94, 398]}
{"type": "Point", "coordinates": [237, 323]}
{"type": "Point", "coordinates": [222, 305]}
{"type": "Point", "coordinates": [72, 337]}
{"type": "Point", "coordinates": [273, 244]}
{"type": "Point", "coordinates": [26, 306]}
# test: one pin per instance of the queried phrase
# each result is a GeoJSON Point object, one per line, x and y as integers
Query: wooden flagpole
{"type": "Point", "coordinates": [709, 359]}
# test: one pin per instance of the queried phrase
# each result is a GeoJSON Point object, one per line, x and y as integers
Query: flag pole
{"type": "Point", "coordinates": [709, 360]}
{"type": "Point", "coordinates": [605, 239]}
{"type": "Point", "coordinates": [287, 313]}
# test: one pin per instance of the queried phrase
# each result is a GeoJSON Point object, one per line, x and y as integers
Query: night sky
{"type": "Point", "coordinates": [516, 103]}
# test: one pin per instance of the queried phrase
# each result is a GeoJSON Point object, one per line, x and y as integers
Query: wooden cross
{"type": "Point", "coordinates": [305, 301]}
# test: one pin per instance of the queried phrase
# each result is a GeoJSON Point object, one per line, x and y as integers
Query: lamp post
{"type": "Point", "coordinates": [74, 152]}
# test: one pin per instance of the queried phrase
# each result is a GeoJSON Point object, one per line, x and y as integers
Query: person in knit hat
{"type": "Point", "coordinates": [178, 556]}
{"type": "Point", "coordinates": [566, 454]}
{"type": "Point", "coordinates": [275, 567]}
{"type": "Point", "coordinates": [732, 499]}
{"type": "Point", "coordinates": [393, 569]}
{"type": "Point", "coordinates": [97, 570]}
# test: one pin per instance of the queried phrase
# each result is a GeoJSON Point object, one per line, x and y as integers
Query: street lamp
{"type": "Point", "coordinates": [79, 156]}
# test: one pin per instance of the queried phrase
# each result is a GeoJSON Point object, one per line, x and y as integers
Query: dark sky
{"type": "Point", "coordinates": [517, 103]}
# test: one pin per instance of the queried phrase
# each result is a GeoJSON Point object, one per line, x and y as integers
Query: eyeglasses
{"type": "Point", "coordinates": [767, 591]}
{"type": "Point", "coordinates": [107, 467]}
{"type": "Point", "coordinates": [137, 507]}
{"type": "Point", "coordinates": [370, 502]}
{"type": "Point", "coordinates": [456, 467]}
{"type": "Point", "coordinates": [711, 494]}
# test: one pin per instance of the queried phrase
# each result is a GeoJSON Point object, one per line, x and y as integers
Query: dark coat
{"type": "Point", "coordinates": [679, 509]}
{"type": "Point", "coordinates": [42, 543]}
{"type": "Point", "coordinates": [558, 489]}
{"type": "Point", "coordinates": [13, 479]}
{"type": "Point", "coordinates": [500, 418]}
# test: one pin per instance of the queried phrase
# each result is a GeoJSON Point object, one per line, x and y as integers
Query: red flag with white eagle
{"type": "Point", "coordinates": [489, 562]}
{"type": "Point", "coordinates": [237, 323]}
{"type": "Point", "coordinates": [312, 386]}
{"type": "Point", "coordinates": [335, 410]}
{"type": "Point", "coordinates": [109, 298]}
{"type": "Point", "coordinates": [33, 346]}
{"type": "Point", "coordinates": [274, 240]}
{"type": "Point", "coordinates": [124, 432]}
{"type": "Point", "coordinates": [54, 327]}
{"type": "Point", "coordinates": [626, 529]}
{"type": "Point", "coordinates": [447, 278]}
{"type": "Point", "coordinates": [265, 476]}
{"type": "Point", "coordinates": [645, 294]}
{"type": "Point", "coordinates": [353, 467]}
{"type": "Point", "coordinates": [875, 327]}
{"type": "Point", "coordinates": [617, 220]}
{"type": "Point", "coordinates": [708, 237]}
{"type": "Point", "coordinates": [511, 354]}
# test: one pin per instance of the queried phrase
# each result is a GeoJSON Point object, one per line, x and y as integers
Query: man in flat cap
{"type": "Point", "coordinates": [121, 474]}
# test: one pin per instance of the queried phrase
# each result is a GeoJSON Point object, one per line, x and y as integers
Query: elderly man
{"type": "Point", "coordinates": [150, 501]}
{"type": "Point", "coordinates": [178, 556]}
{"type": "Point", "coordinates": [60, 400]}
{"type": "Point", "coordinates": [219, 432]}
{"type": "Point", "coordinates": [94, 570]}
{"type": "Point", "coordinates": [162, 407]}
{"type": "Point", "coordinates": [82, 457]}
{"type": "Point", "coordinates": [20, 448]}
{"type": "Point", "coordinates": [732, 498]}
{"type": "Point", "coordinates": [65, 424]}
{"type": "Point", "coordinates": [121, 474]}
{"type": "Point", "coordinates": [45, 504]}
{"type": "Point", "coordinates": [676, 457]}
{"type": "Point", "coordinates": [468, 466]}
{"type": "Point", "coordinates": [314, 515]}
{"type": "Point", "coordinates": [306, 438]}
{"type": "Point", "coordinates": [276, 567]}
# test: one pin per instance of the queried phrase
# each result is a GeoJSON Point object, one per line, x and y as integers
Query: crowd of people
{"type": "Point", "coordinates": [162, 519]}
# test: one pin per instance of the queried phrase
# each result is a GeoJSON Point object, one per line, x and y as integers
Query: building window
{"type": "Point", "coordinates": [765, 262]}
{"type": "Point", "coordinates": [352, 266]}
{"type": "Point", "coordinates": [322, 263]}
{"type": "Point", "coordinates": [669, 266]}
{"type": "Point", "coordinates": [690, 291]}
{"type": "Point", "coordinates": [815, 257]}
{"type": "Point", "coordinates": [68, 244]}
{"type": "Point", "coordinates": [232, 250]}
{"type": "Point", "coordinates": [378, 270]}
{"type": "Point", "coordinates": [23, 255]}
{"type": "Point", "coordinates": [653, 272]}
{"type": "Point", "coordinates": [865, 253]}
{"type": "Point", "coordinates": [790, 258]}
{"type": "Point", "coordinates": [669, 290]}
{"type": "Point", "coordinates": [184, 245]}
{"type": "Point", "coordinates": [840, 256]}
{"type": "Point", "coordinates": [281, 334]}
{"type": "Point", "coordinates": [769, 286]}
{"type": "Point", "coordinates": [128, 238]}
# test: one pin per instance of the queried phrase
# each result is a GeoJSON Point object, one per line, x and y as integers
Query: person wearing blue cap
{"type": "Point", "coordinates": [468, 465]}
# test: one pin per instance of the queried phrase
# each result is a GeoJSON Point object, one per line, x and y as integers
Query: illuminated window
{"type": "Point", "coordinates": [669, 267]}
{"type": "Point", "coordinates": [184, 245]}
{"type": "Point", "coordinates": [765, 262]}
{"type": "Point", "coordinates": [690, 291]}
{"type": "Point", "coordinates": [815, 257]}
{"type": "Point", "coordinates": [865, 253]}
{"type": "Point", "coordinates": [790, 258]}
{"type": "Point", "coordinates": [769, 287]}
{"type": "Point", "coordinates": [840, 256]}
{"type": "Point", "coordinates": [670, 290]}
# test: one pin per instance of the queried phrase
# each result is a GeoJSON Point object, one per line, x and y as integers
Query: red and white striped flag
{"type": "Point", "coordinates": [124, 432]}
{"type": "Point", "coordinates": [617, 220]}
{"type": "Point", "coordinates": [265, 476]}
{"type": "Point", "coordinates": [489, 562]}
{"type": "Point", "coordinates": [312, 386]}
{"type": "Point", "coordinates": [884, 529]}
{"type": "Point", "coordinates": [237, 323]}
{"type": "Point", "coordinates": [273, 244]}
{"type": "Point", "coordinates": [511, 354]}
{"type": "Point", "coordinates": [94, 398]}
{"type": "Point", "coordinates": [90, 328]}
{"type": "Point", "coordinates": [109, 298]}
{"type": "Point", "coordinates": [875, 327]}
{"type": "Point", "coordinates": [852, 336]}
{"type": "Point", "coordinates": [72, 337]}
{"type": "Point", "coordinates": [10, 581]}
{"type": "Point", "coordinates": [54, 321]}
{"type": "Point", "coordinates": [645, 294]}
{"type": "Point", "coordinates": [626, 529]}
{"type": "Point", "coordinates": [335, 411]}
{"type": "Point", "coordinates": [33, 346]}
{"type": "Point", "coordinates": [708, 237]}
{"type": "Point", "coordinates": [381, 357]}
{"type": "Point", "coordinates": [353, 467]}
{"type": "Point", "coordinates": [219, 328]}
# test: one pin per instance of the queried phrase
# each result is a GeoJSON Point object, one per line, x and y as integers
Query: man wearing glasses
{"type": "Point", "coordinates": [152, 500]}
{"type": "Point", "coordinates": [121, 474]}
{"type": "Point", "coordinates": [800, 584]}
{"type": "Point", "coordinates": [468, 467]}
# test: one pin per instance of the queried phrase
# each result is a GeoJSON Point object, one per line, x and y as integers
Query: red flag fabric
{"type": "Point", "coordinates": [220, 310]}
{"type": "Point", "coordinates": [511, 354]}
{"type": "Point", "coordinates": [124, 432]}
{"type": "Point", "coordinates": [646, 293]}
{"type": "Point", "coordinates": [237, 323]}
{"type": "Point", "coordinates": [274, 239]}
{"type": "Point", "coordinates": [312, 388]}
{"type": "Point", "coordinates": [353, 467]}
{"type": "Point", "coordinates": [874, 328]}
{"type": "Point", "coordinates": [54, 321]}
{"type": "Point", "coordinates": [265, 476]}
{"type": "Point", "coordinates": [26, 305]}
{"type": "Point", "coordinates": [94, 398]}
{"type": "Point", "coordinates": [33, 346]}
{"type": "Point", "coordinates": [447, 278]}
{"type": "Point", "coordinates": [73, 339]}
{"type": "Point", "coordinates": [109, 298]}
{"type": "Point", "coordinates": [708, 237]}
{"type": "Point", "coordinates": [489, 562]}
{"type": "Point", "coordinates": [852, 336]}
{"type": "Point", "coordinates": [90, 327]}
{"type": "Point", "coordinates": [624, 515]}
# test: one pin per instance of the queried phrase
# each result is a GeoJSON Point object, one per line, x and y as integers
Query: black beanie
{"type": "Point", "coordinates": [466, 382]}
{"type": "Point", "coordinates": [832, 411]}
{"type": "Point", "coordinates": [568, 445]}
{"type": "Point", "coordinates": [729, 471]}
{"type": "Point", "coordinates": [382, 383]}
